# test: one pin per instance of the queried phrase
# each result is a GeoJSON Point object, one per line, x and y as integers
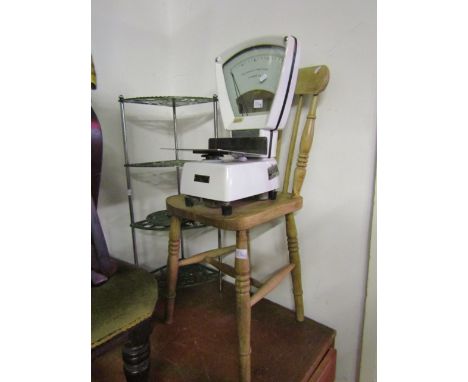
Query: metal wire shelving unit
{"type": "Point", "coordinates": [160, 220]}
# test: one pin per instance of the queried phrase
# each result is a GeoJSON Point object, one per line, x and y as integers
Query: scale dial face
{"type": "Point", "coordinates": [252, 77]}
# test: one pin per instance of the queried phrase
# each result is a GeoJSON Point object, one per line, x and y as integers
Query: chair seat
{"type": "Point", "coordinates": [128, 298]}
{"type": "Point", "coordinates": [246, 214]}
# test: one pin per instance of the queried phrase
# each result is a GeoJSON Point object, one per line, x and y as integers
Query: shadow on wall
{"type": "Point", "coordinates": [113, 172]}
{"type": "Point", "coordinates": [165, 181]}
{"type": "Point", "coordinates": [166, 126]}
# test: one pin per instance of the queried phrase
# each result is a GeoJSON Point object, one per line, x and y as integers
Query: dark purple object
{"type": "Point", "coordinates": [96, 156]}
{"type": "Point", "coordinates": [97, 278]}
{"type": "Point", "coordinates": [102, 266]}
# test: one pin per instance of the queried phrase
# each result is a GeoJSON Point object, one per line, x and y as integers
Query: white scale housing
{"type": "Point", "coordinates": [256, 82]}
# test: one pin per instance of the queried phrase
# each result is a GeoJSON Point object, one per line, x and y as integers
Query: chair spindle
{"type": "Point", "coordinates": [304, 148]}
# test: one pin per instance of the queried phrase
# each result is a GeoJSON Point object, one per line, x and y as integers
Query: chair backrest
{"type": "Point", "coordinates": [310, 81]}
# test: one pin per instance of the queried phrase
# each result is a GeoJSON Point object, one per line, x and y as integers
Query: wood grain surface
{"type": "Point", "coordinates": [201, 345]}
{"type": "Point", "coordinates": [246, 214]}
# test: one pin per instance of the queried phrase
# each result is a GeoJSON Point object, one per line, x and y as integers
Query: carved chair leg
{"type": "Point", "coordinates": [172, 267]}
{"type": "Point", "coordinates": [243, 309]}
{"type": "Point", "coordinates": [136, 353]}
{"type": "Point", "coordinates": [293, 248]}
{"type": "Point", "coordinates": [247, 235]}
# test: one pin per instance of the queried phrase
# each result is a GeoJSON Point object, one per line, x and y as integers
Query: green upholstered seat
{"type": "Point", "coordinates": [128, 298]}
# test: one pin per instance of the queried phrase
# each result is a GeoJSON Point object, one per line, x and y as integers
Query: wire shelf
{"type": "Point", "coordinates": [161, 220]}
{"type": "Point", "coordinates": [188, 276]}
{"type": "Point", "coordinates": [168, 100]}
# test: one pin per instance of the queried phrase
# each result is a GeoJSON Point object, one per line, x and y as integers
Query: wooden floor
{"type": "Point", "coordinates": [201, 344]}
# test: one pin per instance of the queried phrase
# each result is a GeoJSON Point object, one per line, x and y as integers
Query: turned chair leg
{"type": "Point", "coordinates": [294, 258]}
{"type": "Point", "coordinates": [172, 267]}
{"type": "Point", "coordinates": [243, 309]}
{"type": "Point", "coordinates": [136, 354]}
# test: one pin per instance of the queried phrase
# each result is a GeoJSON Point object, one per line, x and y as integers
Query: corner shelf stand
{"type": "Point", "coordinates": [160, 220]}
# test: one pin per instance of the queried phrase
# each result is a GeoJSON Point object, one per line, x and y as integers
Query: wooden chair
{"type": "Point", "coordinates": [246, 215]}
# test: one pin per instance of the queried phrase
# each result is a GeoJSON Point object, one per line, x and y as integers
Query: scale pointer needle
{"type": "Point", "coordinates": [239, 99]}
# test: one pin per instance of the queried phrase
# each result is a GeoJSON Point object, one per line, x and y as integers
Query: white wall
{"type": "Point", "coordinates": [368, 370]}
{"type": "Point", "coordinates": [161, 47]}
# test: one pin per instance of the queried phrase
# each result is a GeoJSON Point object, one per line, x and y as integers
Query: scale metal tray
{"type": "Point", "coordinates": [161, 163]}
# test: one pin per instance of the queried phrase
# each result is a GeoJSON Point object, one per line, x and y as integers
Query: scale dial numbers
{"type": "Point", "coordinates": [252, 78]}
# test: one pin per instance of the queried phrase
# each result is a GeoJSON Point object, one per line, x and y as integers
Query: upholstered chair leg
{"type": "Point", "coordinates": [172, 266]}
{"type": "Point", "coordinates": [243, 310]}
{"type": "Point", "coordinates": [293, 248]}
{"type": "Point", "coordinates": [136, 353]}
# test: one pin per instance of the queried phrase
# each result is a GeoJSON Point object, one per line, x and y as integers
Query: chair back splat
{"type": "Point", "coordinates": [310, 81]}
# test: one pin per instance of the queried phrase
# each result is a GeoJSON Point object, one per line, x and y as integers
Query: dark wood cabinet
{"type": "Point", "coordinates": [201, 344]}
{"type": "Point", "coordinates": [325, 372]}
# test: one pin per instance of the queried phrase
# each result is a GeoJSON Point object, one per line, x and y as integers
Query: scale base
{"type": "Point", "coordinates": [226, 181]}
{"type": "Point", "coordinates": [226, 207]}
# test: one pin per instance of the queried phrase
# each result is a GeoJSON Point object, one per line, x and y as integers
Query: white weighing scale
{"type": "Point", "coordinates": [256, 82]}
